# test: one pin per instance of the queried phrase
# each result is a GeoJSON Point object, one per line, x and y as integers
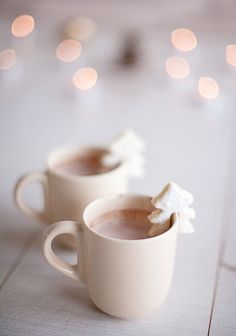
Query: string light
{"type": "Point", "coordinates": [184, 39]}
{"type": "Point", "coordinates": [231, 54]}
{"type": "Point", "coordinates": [85, 78]}
{"type": "Point", "coordinates": [208, 87]}
{"type": "Point", "coordinates": [22, 26]}
{"type": "Point", "coordinates": [177, 67]}
{"type": "Point", "coordinates": [7, 59]}
{"type": "Point", "coordinates": [68, 50]}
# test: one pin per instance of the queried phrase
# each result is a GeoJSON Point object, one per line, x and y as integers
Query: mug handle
{"type": "Point", "coordinates": [20, 185]}
{"type": "Point", "coordinates": [54, 230]}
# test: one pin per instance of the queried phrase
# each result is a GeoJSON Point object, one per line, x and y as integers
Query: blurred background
{"type": "Point", "coordinates": [145, 75]}
{"type": "Point", "coordinates": [82, 71]}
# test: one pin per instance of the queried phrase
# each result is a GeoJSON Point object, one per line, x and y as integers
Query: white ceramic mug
{"type": "Point", "coordinates": [65, 195]}
{"type": "Point", "coordinates": [124, 278]}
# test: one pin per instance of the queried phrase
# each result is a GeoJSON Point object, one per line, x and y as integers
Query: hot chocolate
{"type": "Point", "coordinates": [82, 165]}
{"type": "Point", "coordinates": [123, 224]}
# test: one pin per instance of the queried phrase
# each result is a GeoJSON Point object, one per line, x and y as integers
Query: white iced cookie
{"type": "Point", "coordinates": [160, 220]}
{"type": "Point", "coordinates": [159, 216]}
{"type": "Point", "coordinates": [128, 136]}
{"type": "Point", "coordinates": [128, 147]}
{"type": "Point", "coordinates": [184, 221]}
{"type": "Point", "coordinates": [172, 199]}
{"type": "Point", "coordinates": [135, 170]}
{"type": "Point", "coordinates": [156, 230]}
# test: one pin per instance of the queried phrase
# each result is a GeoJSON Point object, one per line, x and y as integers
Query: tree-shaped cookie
{"type": "Point", "coordinates": [172, 199]}
{"type": "Point", "coordinates": [129, 147]}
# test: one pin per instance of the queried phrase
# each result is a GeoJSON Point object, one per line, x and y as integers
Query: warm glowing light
{"type": "Point", "coordinates": [177, 67]}
{"type": "Point", "coordinates": [231, 54]}
{"type": "Point", "coordinates": [68, 50]}
{"type": "Point", "coordinates": [7, 59]}
{"type": "Point", "coordinates": [81, 28]}
{"type": "Point", "coordinates": [85, 78]}
{"type": "Point", "coordinates": [208, 88]}
{"type": "Point", "coordinates": [22, 26]}
{"type": "Point", "coordinates": [183, 39]}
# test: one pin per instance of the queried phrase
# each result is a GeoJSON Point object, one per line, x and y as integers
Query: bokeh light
{"type": "Point", "coordinates": [7, 59]}
{"type": "Point", "coordinates": [68, 50]}
{"type": "Point", "coordinates": [231, 54]}
{"type": "Point", "coordinates": [22, 26]}
{"type": "Point", "coordinates": [208, 87]}
{"type": "Point", "coordinates": [81, 28]}
{"type": "Point", "coordinates": [177, 67]}
{"type": "Point", "coordinates": [85, 78]}
{"type": "Point", "coordinates": [184, 39]}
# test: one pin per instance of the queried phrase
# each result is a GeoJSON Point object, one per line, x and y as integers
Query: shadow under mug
{"type": "Point", "coordinates": [65, 195]}
{"type": "Point", "coordinates": [124, 278]}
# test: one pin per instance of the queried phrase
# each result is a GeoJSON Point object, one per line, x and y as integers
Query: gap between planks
{"type": "Point", "coordinates": [19, 257]}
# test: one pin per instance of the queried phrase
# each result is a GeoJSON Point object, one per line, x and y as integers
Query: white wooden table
{"type": "Point", "coordinates": [188, 141]}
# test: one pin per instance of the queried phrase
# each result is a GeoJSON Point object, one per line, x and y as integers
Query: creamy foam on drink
{"type": "Point", "coordinates": [84, 164]}
{"type": "Point", "coordinates": [123, 224]}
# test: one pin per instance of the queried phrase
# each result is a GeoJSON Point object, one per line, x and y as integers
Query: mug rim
{"type": "Point", "coordinates": [129, 241]}
{"type": "Point", "coordinates": [78, 149]}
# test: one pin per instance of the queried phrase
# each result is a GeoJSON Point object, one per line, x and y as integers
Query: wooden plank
{"type": "Point", "coordinates": [37, 300]}
{"type": "Point", "coordinates": [16, 237]}
{"type": "Point", "coordinates": [224, 309]}
{"type": "Point", "coordinates": [229, 257]}
{"type": "Point", "coordinates": [223, 321]}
